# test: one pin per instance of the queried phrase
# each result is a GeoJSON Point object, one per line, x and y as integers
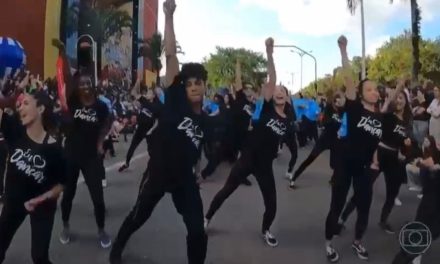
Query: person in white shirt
{"type": "Point", "coordinates": [434, 111]}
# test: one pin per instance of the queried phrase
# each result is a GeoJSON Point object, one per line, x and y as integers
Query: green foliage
{"type": "Point", "coordinates": [221, 66]}
{"type": "Point", "coordinates": [392, 61]}
{"type": "Point", "coordinates": [394, 58]}
{"type": "Point", "coordinates": [153, 48]}
{"type": "Point", "coordinates": [106, 21]}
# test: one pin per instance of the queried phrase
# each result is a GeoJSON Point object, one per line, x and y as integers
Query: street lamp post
{"type": "Point", "coordinates": [364, 72]}
{"type": "Point", "coordinates": [308, 54]}
{"type": "Point", "coordinates": [301, 55]}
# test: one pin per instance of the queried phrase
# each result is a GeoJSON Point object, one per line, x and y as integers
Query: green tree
{"type": "Point", "coordinates": [415, 39]}
{"type": "Point", "coordinates": [394, 59]}
{"type": "Point", "coordinates": [153, 49]}
{"type": "Point", "coordinates": [415, 36]}
{"type": "Point", "coordinates": [221, 66]}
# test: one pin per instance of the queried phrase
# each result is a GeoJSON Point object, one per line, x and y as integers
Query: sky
{"type": "Point", "coordinates": [313, 25]}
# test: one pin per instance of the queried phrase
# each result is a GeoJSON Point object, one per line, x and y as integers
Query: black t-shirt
{"type": "Point", "coordinates": [423, 116]}
{"type": "Point", "coordinates": [332, 121]}
{"type": "Point", "coordinates": [364, 130]}
{"type": "Point", "coordinates": [148, 112]}
{"type": "Point", "coordinates": [33, 168]}
{"type": "Point", "coordinates": [394, 131]}
{"type": "Point", "coordinates": [175, 145]}
{"type": "Point", "coordinates": [86, 123]}
{"type": "Point", "coordinates": [268, 131]}
{"type": "Point", "coordinates": [242, 111]}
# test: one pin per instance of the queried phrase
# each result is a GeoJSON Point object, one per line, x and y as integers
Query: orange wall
{"type": "Point", "coordinates": [24, 21]}
{"type": "Point", "coordinates": [150, 22]}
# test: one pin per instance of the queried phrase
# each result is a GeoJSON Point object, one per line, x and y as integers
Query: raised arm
{"type": "Point", "coordinates": [68, 79]}
{"type": "Point", "coordinates": [350, 92]}
{"type": "Point", "coordinates": [238, 81]}
{"type": "Point", "coordinates": [172, 63]}
{"type": "Point", "coordinates": [136, 89]}
{"type": "Point", "coordinates": [269, 87]}
{"type": "Point", "coordinates": [392, 98]}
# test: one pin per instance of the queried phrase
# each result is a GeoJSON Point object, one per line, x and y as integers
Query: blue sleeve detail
{"type": "Point", "coordinates": [258, 108]}
{"type": "Point", "coordinates": [342, 132]}
{"type": "Point", "coordinates": [162, 97]}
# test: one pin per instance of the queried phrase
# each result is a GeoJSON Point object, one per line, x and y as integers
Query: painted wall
{"type": "Point", "coordinates": [24, 20]}
{"type": "Point", "coordinates": [52, 30]}
{"type": "Point", "coordinates": [149, 22]}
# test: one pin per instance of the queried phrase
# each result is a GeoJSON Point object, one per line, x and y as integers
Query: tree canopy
{"type": "Point", "coordinates": [392, 61]}
{"type": "Point", "coordinates": [221, 66]}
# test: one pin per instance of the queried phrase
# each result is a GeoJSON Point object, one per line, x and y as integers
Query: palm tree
{"type": "Point", "coordinates": [415, 38]}
{"type": "Point", "coordinates": [415, 28]}
{"type": "Point", "coordinates": [153, 49]}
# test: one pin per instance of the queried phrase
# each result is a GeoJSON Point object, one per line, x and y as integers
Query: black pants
{"type": "Point", "coordinates": [321, 144]}
{"type": "Point", "coordinates": [347, 172]}
{"type": "Point", "coordinates": [389, 164]}
{"type": "Point", "coordinates": [290, 141]}
{"type": "Point", "coordinates": [42, 219]}
{"type": "Point", "coordinates": [186, 199]}
{"type": "Point", "coordinates": [311, 128]}
{"type": "Point", "coordinates": [214, 153]}
{"type": "Point", "coordinates": [302, 133]}
{"type": "Point", "coordinates": [138, 136]}
{"type": "Point", "coordinates": [92, 171]}
{"type": "Point", "coordinates": [3, 160]}
{"type": "Point", "coordinates": [428, 212]}
{"type": "Point", "coordinates": [261, 168]}
{"type": "Point", "coordinates": [108, 146]}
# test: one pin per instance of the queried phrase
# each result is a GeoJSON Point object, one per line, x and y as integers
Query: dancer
{"type": "Point", "coordinates": [290, 138]}
{"type": "Point", "coordinates": [178, 140]}
{"type": "Point", "coordinates": [354, 154]}
{"type": "Point", "coordinates": [332, 122]}
{"type": "Point", "coordinates": [260, 150]}
{"type": "Point", "coordinates": [3, 160]}
{"type": "Point", "coordinates": [89, 125]}
{"type": "Point", "coordinates": [428, 211]}
{"type": "Point", "coordinates": [36, 170]}
{"type": "Point", "coordinates": [149, 110]}
{"type": "Point", "coordinates": [396, 125]}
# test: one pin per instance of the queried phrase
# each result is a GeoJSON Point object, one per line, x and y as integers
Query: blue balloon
{"type": "Point", "coordinates": [12, 56]}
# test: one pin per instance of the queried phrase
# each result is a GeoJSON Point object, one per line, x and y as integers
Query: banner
{"type": "Point", "coordinates": [61, 84]}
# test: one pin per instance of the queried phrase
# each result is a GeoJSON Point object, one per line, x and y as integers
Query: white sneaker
{"type": "Point", "coordinates": [104, 183]}
{"type": "Point", "coordinates": [420, 196]}
{"type": "Point", "coordinates": [289, 176]}
{"type": "Point", "coordinates": [270, 239]}
{"type": "Point", "coordinates": [417, 260]}
{"type": "Point", "coordinates": [206, 223]}
{"type": "Point", "coordinates": [397, 202]}
{"type": "Point", "coordinates": [332, 254]}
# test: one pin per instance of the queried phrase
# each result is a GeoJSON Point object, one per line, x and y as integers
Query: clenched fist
{"type": "Point", "coordinates": [169, 6]}
{"type": "Point", "coordinates": [269, 45]}
{"type": "Point", "coordinates": [342, 42]}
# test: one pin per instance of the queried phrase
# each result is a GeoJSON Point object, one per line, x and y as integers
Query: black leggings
{"type": "Point", "coordinates": [214, 154]}
{"type": "Point", "coordinates": [3, 160]}
{"type": "Point", "coordinates": [186, 199]}
{"type": "Point", "coordinates": [346, 170]}
{"type": "Point", "coordinates": [42, 219]}
{"type": "Point", "coordinates": [428, 212]}
{"type": "Point", "coordinates": [321, 144]}
{"type": "Point", "coordinates": [92, 170]}
{"type": "Point", "coordinates": [389, 164]}
{"type": "Point", "coordinates": [139, 135]}
{"type": "Point", "coordinates": [261, 168]}
{"type": "Point", "coordinates": [290, 141]}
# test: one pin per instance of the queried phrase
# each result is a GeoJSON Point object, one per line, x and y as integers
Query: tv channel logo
{"type": "Point", "coordinates": [415, 238]}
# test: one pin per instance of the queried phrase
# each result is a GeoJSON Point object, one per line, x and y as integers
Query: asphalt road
{"type": "Point", "coordinates": [234, 235]}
